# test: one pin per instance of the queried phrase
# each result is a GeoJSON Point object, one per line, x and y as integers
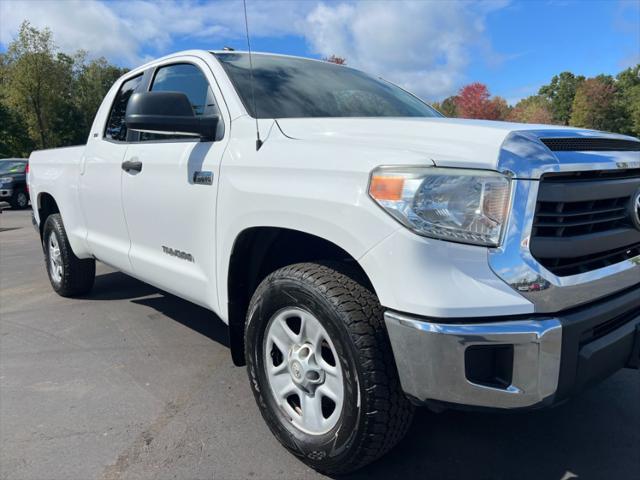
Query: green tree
{"type": "Point", "coordinates": [632, 98]}
{"type": "Point", "coordinates": [595, 105]}
{"type": "Point", "coordinates": [501, 107]}
{"type": "Point", "coordinates": [93, 80]}
{"type": "Point", "coordinates": [628, 86]}
{"type": "Point", "coordinates": [53, 96]}
{"type": "Point", "coordinates": [34, 82]}
{"type": "Point", "coordinates": [64, 123]}
{"type": "Point", "coordinates": [447, 107]}
{"type": "Point", "coordinates": [14, 139]}
{"type": "Point", "coordinates": [560, 93]}
{"type": "Point", "coordinates": [628, 78]}
{"type": "Point", "coordinates": [533, 109]}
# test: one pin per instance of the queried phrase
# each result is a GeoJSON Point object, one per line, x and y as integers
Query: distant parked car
{"type": "Point", "coordinates": [13, 182]}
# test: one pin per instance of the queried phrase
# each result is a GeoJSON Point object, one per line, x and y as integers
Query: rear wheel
{"type": "Point", "coordinates": [321, 367]}
{"type": "Point", "coordinates": [69, 275]}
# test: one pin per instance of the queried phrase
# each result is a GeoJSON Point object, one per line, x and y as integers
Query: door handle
{"type": "Point", "coordinates": [132, 165]}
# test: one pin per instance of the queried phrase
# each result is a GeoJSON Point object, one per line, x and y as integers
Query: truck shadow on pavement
{"type": "Point", "coordinates": [119, 286]}
{"type": "Point", "coordinates": [596, 435]}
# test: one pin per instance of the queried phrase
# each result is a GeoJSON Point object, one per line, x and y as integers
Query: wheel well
{"type": "Point", "coordinates": [46, 206]}
{"type": "Point", "coordinates": [256, 253]}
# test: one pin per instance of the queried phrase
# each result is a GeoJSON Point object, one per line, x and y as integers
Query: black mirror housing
{"type": "Point", "coordinates": [168, 112]}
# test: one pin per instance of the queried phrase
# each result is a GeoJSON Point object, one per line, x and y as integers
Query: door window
{"type": "Point", "coordinates": [116, 128]}
{"type": "Point", "coordinates": [188, 79]}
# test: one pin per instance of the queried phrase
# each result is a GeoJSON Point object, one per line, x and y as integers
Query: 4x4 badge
{"type": "Point", "coordinates": [203, 178]}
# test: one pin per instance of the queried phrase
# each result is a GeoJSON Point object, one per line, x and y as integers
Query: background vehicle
{"type": "Point", "coordinates": [13, 182]}
{"type": "Point", "coordinates": [367, 254]}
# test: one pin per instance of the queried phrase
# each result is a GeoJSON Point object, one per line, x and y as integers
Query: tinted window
{"type": "Point", "coordinates": [116, 128]}
{"type": "Point", "coordinates": [10, 166]}
{"type": "Point", "coordinates": [295, 87]}
{"type": "Point", "coordinates": [190, 80]}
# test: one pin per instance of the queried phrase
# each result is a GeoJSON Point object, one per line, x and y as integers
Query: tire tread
{"type": "Point", "coordinates": [78, 274]}
{"type": "Point", "coordinates": [389, 413]}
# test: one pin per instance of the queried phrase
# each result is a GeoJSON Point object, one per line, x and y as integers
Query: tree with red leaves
{"type": "Point", "coordinates": [473, 101]}
{"type": "Point", "coordinates": [334, 59]}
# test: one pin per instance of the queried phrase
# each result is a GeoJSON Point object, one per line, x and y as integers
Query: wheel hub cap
{"type": "Point", "coordinates": [303, 371]}
{"type": "Point", "coordinates": [55, 259]}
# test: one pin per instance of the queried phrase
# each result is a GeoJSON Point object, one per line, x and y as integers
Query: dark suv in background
{"type": "Point", "coordinates": [13, 182]}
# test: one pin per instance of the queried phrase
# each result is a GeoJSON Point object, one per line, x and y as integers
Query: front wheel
{"type": "Point", "coordinates": [321, 367]}
{"type": "Point", "coordinates": [69, 275]}
{"type": "Point", "coordinates": [20, 200]}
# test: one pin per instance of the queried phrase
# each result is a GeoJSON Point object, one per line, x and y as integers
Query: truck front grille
{"type": "Point", "coordinates": [583, 221]}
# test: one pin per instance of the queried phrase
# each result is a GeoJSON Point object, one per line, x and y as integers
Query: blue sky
{"type": "Point", "coordinates": [429, 47]}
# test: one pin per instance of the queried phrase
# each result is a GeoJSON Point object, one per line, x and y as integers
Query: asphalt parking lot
{"type": "Point", "coordinates": [134, 383]}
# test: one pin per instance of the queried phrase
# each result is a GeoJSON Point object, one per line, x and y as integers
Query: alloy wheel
{"type": "Point", "coordinates": [56, 267]}
{"type": "Point", "coordinates": [303, 370]}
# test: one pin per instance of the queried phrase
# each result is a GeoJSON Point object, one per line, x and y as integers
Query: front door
{"type": "Point", "coordinates": [170, 203]}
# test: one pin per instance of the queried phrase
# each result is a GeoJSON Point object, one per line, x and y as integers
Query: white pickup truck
{"type": "Point", "coordinates": [367, 254]}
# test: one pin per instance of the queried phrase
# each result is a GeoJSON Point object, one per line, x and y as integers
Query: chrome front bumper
{"type": "Point", "coordinates": [431, 360]}
{"type": "Point", "coordinates": [542, 360]}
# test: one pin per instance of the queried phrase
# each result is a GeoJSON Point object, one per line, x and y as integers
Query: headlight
{"type": "Point", "coordinates": [468, 206]}
{"type": "Point", "coordinates": [5, 179]}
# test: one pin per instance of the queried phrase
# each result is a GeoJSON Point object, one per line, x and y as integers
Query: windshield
{"type": "Point", "coordinates": [8, 166]}
{"type": "Point", "coordinates": [287, 87]}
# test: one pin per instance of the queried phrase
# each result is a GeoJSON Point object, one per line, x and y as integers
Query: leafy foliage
{"type": "Point", "coordinates": [534, 109]}
{"type": "Point", "coordinates": [447, 107]}
{"type": "Point", "coordinates": [48, 98]}
{"type": "Point", "coordinates": [560, 93]}
{"type": "Point", "coordinates": [628, 101]}
{"type": "Point", "coordinates": [632, 96]}
{"type": "Point", "coordinates": [14, 140]}
{"type": "Point", "coordinates": [594, 105]}
{"type": "Point", "coordinates": [473, 101]}
{"type": "Point", "coordinates": [601, 103]}
{"type": "Point", "coordinates": [337, 60]}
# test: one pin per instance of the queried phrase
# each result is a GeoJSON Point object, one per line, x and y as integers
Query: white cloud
{"type": "Point", "coordinates": [126, 31]}
{"type": "Point", "coordinates": [425, 46]}
{"type": "Point", "coordinates": [88, 25]}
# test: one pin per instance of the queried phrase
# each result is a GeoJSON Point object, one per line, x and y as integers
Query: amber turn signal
{"type": "Point", "coordinates": [386, 188]}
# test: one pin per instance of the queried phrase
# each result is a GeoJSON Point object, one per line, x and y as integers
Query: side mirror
{"type": "Point", "coordinates": [170, 113]}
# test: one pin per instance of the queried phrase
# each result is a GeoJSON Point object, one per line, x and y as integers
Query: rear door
{"type": "Point", "coordinates": [170, 204]}
{"type": "Point", "coordinates": [100, 182]}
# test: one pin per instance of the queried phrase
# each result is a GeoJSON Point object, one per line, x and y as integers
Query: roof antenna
{"type": "Point", "coordinates": [253, 92]}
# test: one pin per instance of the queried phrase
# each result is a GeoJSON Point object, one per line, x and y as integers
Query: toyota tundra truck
{"type": "Point", "coordinates": [367, 254]}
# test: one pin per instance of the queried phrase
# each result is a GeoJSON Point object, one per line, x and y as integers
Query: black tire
{"type": "Point", "coordinates": [19, 200]}
{"type": "Point", "coordinates": [376, 414]}
{"type": "Point", "coordinates": [77, 275]}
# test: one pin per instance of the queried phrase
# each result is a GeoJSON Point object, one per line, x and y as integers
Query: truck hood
{"type": "Point", "coordinates": [443, 141]}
